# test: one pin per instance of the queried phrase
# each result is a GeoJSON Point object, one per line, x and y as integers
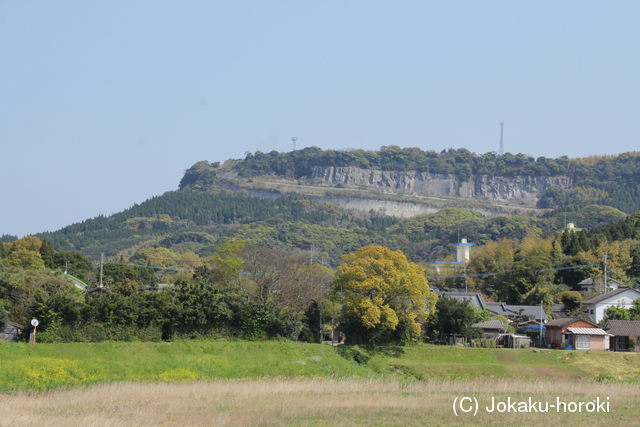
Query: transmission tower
{"type": "Point", "coordinates": [501, 140]}
{"type": "Point", "coordinates": [294, 139]}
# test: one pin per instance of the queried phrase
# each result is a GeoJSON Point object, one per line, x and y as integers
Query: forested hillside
{"type": "Point", "coordinates": [604, 180]}
{"type": "Point", "coordinates": [225, 263]}
{"type": "Point", "coordinates": [205, 212]}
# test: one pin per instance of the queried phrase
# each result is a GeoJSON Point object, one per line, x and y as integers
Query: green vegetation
{"type": "Point", "coordinates": [47, 366]}
{"type": "Point", "coordinates": [604, 180]}
{"type": "Point", "coordinates": [383, 297]}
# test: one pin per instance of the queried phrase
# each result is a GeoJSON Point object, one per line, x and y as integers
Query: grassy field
{"type": "Point", "coordinates": [47, 366]}
{"type": "Point", "coordinates": [288, 383]}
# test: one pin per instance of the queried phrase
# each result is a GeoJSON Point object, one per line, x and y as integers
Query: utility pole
{"type": "Point", "coordinates": [501, 140]}
{"type": "Point", "coordinates": [540, 345]}
{"type": "Point", "coordinates": [606, 284]}
{"type": "Point", "coordinates": [101, 264]}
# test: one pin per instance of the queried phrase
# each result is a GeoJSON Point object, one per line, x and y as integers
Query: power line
{"type": "Point", "coordinates": [495, 274]}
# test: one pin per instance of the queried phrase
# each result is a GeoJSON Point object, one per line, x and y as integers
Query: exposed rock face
{"type": "Point", "coordinates": [517, 189]}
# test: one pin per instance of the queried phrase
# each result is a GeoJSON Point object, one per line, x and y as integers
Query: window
{"type": "Point", "coordinates": [583, 342]}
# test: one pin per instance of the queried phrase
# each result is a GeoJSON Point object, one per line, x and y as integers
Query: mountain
{"type": "Point", "coordinates": [457, 174]}
{"type": "Point", "coordinates": [332, 202]}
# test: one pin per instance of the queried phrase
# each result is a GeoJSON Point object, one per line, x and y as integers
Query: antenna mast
{"type": "Point", "coordinates": [294, 139]}
{"type": "Point", "coordinates": [501, 140]}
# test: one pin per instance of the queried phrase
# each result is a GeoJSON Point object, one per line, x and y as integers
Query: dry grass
{"type": "Point", "coordinates": [308, 402]}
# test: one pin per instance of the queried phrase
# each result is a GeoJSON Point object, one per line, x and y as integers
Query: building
{"type": "Point", "coordinates": [588, 285]}
{"type": "Point", "coordinates": [626, 334]}
{"type": "Point", "coordinates": [12, 332]}
{"type": "Point", "coordinates": [621, 298]}
{"type": "Point", "coordinates": [463, 250]}
{"type": "Point", "coordinates": [576, 333]}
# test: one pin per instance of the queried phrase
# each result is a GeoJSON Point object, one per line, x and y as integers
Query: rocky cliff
{"type": "Point", "coordinates": [517, 189]}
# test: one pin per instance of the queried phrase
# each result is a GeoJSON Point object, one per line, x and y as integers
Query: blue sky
{"type": "Point", "coordinates": [105, 104]}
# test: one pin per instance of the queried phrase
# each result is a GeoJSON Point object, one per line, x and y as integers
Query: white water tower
{"type": "Point", "coordinates": [464, 251]}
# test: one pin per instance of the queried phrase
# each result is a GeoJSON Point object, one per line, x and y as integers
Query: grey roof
{"type": "Point", "coordinates": [560, 315]}
{"type": "Point", "coordinates": [609, 295]}
{"type": "Point", "coordinates": [14, 325]}
{"type": "Point", "coordinates": [490, 324]}
{"type": "Point", "coordinates": [623, 328]}
{"type": "Point", "coordinates": [474, 298]}
{"type": "Point", "coordinates": [531, 311]}
{"type": "Point", "coordinates": [498, 308]}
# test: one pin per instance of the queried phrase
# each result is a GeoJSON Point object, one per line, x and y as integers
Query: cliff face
{"type": "Point", "coordinates": [517, 189]}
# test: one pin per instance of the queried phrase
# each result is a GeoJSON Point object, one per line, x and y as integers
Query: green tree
{"type": "Point", "coordinates": [115, 274]}
{"type": "Point", "coordinates": [571, 300]}
{"type": "Point", "coordinates": [25, 259]}
{"type": "Point", "coordinates": [617, 313]}
{"type": "Point", "coordinates": [454, 317]}
{"type": "Point", "coordinates": [225, 266]}
{"type": "Point", "coordinates": [4, 318]}
{"type": "Point", "coordinates": [384, 297]}
{"type": "Point", "coordinates": [47, 253]}
{"type": "Point", "coordinates": [74, 262]}
{"type": "Point", "coordinates": [634, 312]}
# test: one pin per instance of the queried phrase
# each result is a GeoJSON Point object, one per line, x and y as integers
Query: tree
{"type": "Point", "coordinates": [454, 317]}
{"type": "Point", "coordinates": [25, 259]}
{"type": "Point", "coordinates": [283, 280]}
{"type": "Point", "coordinates": [571, 300]}
{"type": "Point", "coordinates": [74, 262]}
{"type": "Point", "coordinates": [384, 297]}
{"type": "Point", "coordinates": [115, 274]}
{"type": "Point", "coordinates": [30, 243]}
{"type": "Point", "coordinates": [47, 253]}
{"type": "Point", "coordinates": [225, 266]}
{"type": "Point", "coordinates": [617, 313]}
{"type": "Point", "coordinates": [4, 318]}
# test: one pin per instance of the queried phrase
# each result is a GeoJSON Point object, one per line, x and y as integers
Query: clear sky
{"type": "Point", "coordinates": [105, 104]}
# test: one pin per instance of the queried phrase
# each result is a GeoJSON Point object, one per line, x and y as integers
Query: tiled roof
{"type": "Point", "coordinates": [498, 308]}
{"type": "Point", "coordinates": [531, 311]}
{"type": "Point", "coordinates": [587, 331]}
{"type": "Point", "coordinates": [569, 320]}
{"type": "Point", "coordinates": [475, 299]}
{"type": "Point", "coordinates": [609, 295]}
{"type": "Point", "coordinates": [623, 328]}
{"type": "Point", "coordinates": [15, 325]}
{"type": "Point", "coordinates": [490, 324]}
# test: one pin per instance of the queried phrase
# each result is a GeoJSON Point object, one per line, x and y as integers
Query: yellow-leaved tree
{"type": "Point", "coordinates": [384, 298]}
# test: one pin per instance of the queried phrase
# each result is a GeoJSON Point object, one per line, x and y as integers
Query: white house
{"type": "Point", "coordinates": [621, 297]}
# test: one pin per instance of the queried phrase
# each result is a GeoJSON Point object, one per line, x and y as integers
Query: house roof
{"type": "Point", "coordinates": [490, 324]}
{"type": "Point", "coordinates": [569, 320]}
{"type": "Point", "coordinates": [608, 295]}
{"type": "Point", "coordinates": [474, 298]}
{"type": "Point", "coordinates": [587, 331]}
{"type": "Point", "coordinates": [15, 325]}
{"type": "Point", "coordinates": [531, 311]}
{"type": "Point", "coordinates": [623, 328]}
{"type": "Point", "coordinates": [498, 308]}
